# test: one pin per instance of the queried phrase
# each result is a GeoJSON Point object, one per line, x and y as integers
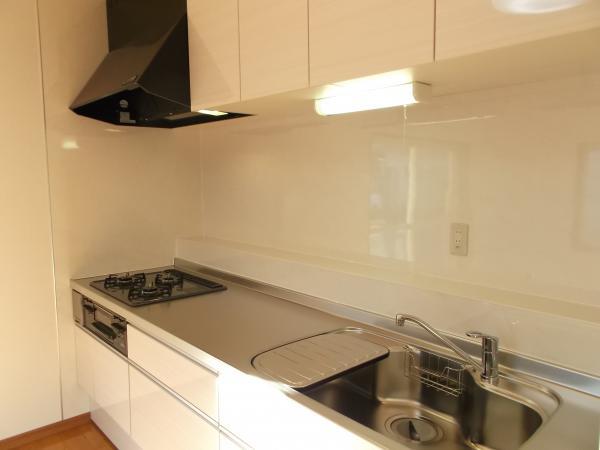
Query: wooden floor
{"type": "Point", "coordinates": [82, 437]}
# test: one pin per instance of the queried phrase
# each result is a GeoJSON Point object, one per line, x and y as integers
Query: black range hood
{"type": "Point", "coordinates": [145, 78]}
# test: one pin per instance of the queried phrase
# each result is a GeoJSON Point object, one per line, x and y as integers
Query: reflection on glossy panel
{"type": "Point", "coordinates": [414, 187]}
{"type": "Point", "coordinates": [587, 231]}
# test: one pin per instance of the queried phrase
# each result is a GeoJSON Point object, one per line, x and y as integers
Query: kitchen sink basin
{"type": "Point", "coordinates": [425, 399]}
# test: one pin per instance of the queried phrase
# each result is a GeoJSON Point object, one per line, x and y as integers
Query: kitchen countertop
{"type": "Point", "coordinates": [216, 322]}
{"type": "Point", "coordinates": [226, 329]}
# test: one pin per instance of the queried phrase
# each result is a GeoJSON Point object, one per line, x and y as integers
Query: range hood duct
{"type": "Point", "coordinates": [145, 78]}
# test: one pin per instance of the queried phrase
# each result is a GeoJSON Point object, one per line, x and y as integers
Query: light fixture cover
{"type": "Point", "coordinates": [534, 6]}
{"type": "Point", "coordinates": [212, 112]}
{"type": "Point", "coordinates": [354, 100]}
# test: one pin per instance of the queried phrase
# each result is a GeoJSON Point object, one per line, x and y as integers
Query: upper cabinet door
{"type": "Point", "coordinates": [273, 46]}
{"type": "Point", "coordinates": [354, 38]}
{"type": "Point", "coordinates": [214, 52]}
{"type": "Point", "coordinates": [470, 26]}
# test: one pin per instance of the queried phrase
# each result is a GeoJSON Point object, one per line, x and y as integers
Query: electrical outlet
{"type": "Point", "coordinates": [459, 239]}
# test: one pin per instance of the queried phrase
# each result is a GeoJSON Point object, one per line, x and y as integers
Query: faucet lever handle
{"type": "Point", "coordinates": [474, 334]}
{"type": "Point", "coordinates": [483, 336]}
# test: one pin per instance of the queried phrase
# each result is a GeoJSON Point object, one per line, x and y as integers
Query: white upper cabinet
{"type": "Point", "coordinates": [471, 26]}
{"type": "Point", "coordinates": [214, 52]}
{"type": "Point", "coordinates": [273, 46]}
{"type": "Point", "coordinates": [355, 38]}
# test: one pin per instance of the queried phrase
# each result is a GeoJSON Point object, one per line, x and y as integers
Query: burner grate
{"type": "Point", "coordinates": [143, 288]}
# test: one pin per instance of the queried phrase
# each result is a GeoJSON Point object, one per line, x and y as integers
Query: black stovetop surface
{"type": "Point", "coordinates": [143, 288]}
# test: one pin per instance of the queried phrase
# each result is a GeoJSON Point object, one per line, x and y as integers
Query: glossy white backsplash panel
{"type": "Point", "coordinates": [519, 164]}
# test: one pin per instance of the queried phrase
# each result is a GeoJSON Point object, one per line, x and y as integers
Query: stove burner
{"type": "Point", "coordinates": [168, 278]}
{"type": "Point", "coordinates": [149, 291]}
{"type": "Point", "coordinates": [111, 281]}
{"type": "Point", "coordinates": [124, 281]}
{"type": "Point", "coordinates": [138, 289]}
{"type": "Point", "coordinates": [139, 293]}
{"type": "Point", "coordinates": [135, 293]}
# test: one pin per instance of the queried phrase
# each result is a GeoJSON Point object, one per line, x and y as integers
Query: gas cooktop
{"type": "Point", "coordinates": [143, 288]}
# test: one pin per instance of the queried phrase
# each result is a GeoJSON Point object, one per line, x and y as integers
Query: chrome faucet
{"type": "Point", "coordinates": [488, 370]}
{"type": "Point", "coordinates": [489, 355]}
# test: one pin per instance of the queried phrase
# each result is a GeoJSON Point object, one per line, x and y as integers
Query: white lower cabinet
{"type": "Point", "coordinates": [104, 375]}
{"type": "Point", "coordinates": [160, 421]}
{"type": "Point", "coordinates": [268, 419]}
{"type": "Point", "coordinates": [111, 385]}
{"type": "Point", "coordinates": [138, 410]}
{"type": "Point", "coordinates": [193, 382]}
{"type": "Point", "coordinates": [85, 364]}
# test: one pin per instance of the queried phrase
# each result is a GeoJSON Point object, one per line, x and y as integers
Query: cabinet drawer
{"type": "Point", "coordinates": [191, 381]}
{"type": "Point", "coordinates": [104, 375]}
{"type": "Point", "coordinates": [159, 421]}
{"type": "Point", "coordinates": [111, 384]}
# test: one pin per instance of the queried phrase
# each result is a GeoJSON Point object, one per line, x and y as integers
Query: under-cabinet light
{"type": "Point", "coordinates": [212, 112]}
{"type": "Point", "coordinates": [534, 6]}
{"type": "Point", "coordinates": [354, 100]}
{"type": "Point", "coordinates": [69, 144]}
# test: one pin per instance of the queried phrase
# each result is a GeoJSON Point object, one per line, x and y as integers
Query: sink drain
{"type": "Point", "coordinates": [414, 429]}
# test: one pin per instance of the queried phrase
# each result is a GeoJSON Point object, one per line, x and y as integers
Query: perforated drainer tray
{"type": "Point", "coordinates": [304, 363]}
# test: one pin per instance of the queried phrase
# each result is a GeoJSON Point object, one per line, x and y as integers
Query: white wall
{"type": "Point", "coordinates": [29, 368]}
{"type": "Point", "coordinates": [120, 196]}
{"type": "Point", "coordinates": [519, 164]}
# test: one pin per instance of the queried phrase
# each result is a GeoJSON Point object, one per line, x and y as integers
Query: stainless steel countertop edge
{"type": "Point", "coordinates": [510, 362]}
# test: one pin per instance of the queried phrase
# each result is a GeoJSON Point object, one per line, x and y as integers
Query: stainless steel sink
{"type": "Point", "coordinates": [426, 399]}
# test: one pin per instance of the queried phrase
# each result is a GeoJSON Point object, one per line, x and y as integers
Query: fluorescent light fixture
{"type": "Point", "coordinates": [212, 112]}
{"type": "Point", "coordinates": [69, 144]}
{"type": "Point", "coordinates": [354, 100]}
{"type": "Point", "coordinates": [534, 6]}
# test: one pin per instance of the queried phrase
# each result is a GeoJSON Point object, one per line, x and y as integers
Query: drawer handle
{"type": "Point", "coordinates": [105, 330]}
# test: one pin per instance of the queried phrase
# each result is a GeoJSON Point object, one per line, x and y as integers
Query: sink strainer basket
{"type": "Point", "coordinates": [435, 371]}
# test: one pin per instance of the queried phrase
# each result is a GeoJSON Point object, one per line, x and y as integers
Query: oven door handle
{"type": "Point", "coordinates": [105, 330]}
